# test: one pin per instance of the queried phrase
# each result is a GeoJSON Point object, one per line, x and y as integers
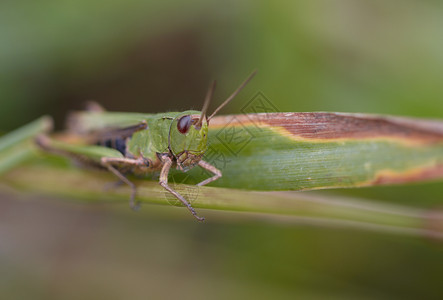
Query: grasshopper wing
{"type": "Point", "coordinates": [84, 122]}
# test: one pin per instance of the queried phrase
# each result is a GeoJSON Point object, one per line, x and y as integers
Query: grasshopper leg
{"type": "Point", "coordinates": [108, 163]}
{"type": "Point", "coordinates": [164, 183]}
{"type": "Point", "coordinates": [217, 173]}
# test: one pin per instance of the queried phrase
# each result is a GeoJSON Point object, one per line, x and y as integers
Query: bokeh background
{"type": "Point", "coordinates": [152, 56]}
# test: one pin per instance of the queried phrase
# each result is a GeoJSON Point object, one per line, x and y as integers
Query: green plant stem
{"type": "Point", "coordinates": [278, 206]}
{"type": "Point", "coordinates": [17, 146]}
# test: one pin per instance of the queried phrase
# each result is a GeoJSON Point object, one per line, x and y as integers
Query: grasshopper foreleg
{"type": "Point", "coordinates": [167, 163]}
{"type": "Point", "coordinates": [217, 173]}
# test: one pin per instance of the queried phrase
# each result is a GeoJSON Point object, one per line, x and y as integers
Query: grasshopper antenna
{"type": "Point", "coordinates": [206, 104]}
{"type": "Point", "coordinates": [235, 93]}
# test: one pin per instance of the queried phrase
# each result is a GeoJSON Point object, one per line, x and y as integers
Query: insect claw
{"type": "Point", "coordinates": [200, 219]}
{"type": "Point", "coordinates": [135, 206]}
{"type": "Point", "coordinates": [194, 213]}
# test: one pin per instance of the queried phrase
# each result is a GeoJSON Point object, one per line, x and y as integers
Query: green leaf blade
{"type": "Point", "coordinates": [264, 156]}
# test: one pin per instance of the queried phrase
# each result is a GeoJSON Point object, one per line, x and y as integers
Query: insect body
{"type": "Point", "coordinates": [156, 142]}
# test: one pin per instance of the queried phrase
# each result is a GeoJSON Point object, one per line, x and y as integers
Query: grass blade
{"type": "Point", "coordinates": [305, 151]}
{"type": "Point", "coordinates": [17, 146]}
{"type": "Point", "coordinates": [286, 207]}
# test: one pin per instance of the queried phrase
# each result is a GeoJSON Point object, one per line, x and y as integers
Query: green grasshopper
{"type": "Point", "coordinates": [142, 143]}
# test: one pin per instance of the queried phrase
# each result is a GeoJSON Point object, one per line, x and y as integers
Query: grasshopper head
{"type": "Point", "coordinates": [188, 137]}
{"type": "Point", "coordinates": [188, 134]}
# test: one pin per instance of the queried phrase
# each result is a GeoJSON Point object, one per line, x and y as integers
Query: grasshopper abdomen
{"type": "Point", "coordinates": [118, 144]}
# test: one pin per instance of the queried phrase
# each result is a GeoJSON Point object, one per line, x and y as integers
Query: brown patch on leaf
{"type": "Point", "coordinates": [413, 175]}
{"type": "Point", "coordinates": [327, 126]}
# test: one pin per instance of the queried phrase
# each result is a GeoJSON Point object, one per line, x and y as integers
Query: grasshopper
{"type": "Point", "coordinates": [142, 143]}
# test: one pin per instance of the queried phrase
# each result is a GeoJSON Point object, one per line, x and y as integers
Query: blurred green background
{"type": "Point", "coordinates": [144, 56]}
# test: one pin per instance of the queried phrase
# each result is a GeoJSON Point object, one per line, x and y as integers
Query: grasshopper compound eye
{"type": "Point", "coordinates": [184, 123]}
